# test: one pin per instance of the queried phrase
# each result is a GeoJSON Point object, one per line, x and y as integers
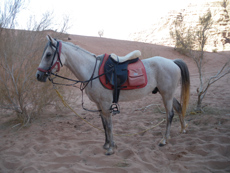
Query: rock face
{"type": "Point", "coordinates": [220, 31]}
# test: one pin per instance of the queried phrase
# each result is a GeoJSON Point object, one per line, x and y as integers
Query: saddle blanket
{"type": "Point", "coordinates": [137, 77]}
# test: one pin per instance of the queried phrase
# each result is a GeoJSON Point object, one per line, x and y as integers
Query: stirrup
{"type": "Point", "coordinates": [114, 108]}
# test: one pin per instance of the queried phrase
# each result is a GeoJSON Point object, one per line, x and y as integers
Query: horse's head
{"type": "Point", "coordinates": [51, 59]}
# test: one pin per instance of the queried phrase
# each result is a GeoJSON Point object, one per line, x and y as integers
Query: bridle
{"type": "Point", "coordinates": [58, 62]}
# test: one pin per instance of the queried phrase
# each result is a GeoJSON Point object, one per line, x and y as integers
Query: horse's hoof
{"type": "Point", "coordinates": [106, 146]}
{"type": "Point", "coordinates": [183, 131]}
{"type": "Point", "coordinates": [161, 145]}
{"type": "Point", "coordinates": [162, 142]}
{"type": "Point", "coordinates": [109, 152]}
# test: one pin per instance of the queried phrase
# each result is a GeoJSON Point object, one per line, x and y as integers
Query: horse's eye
{"type": "Point", "coordinates": [48, 55]}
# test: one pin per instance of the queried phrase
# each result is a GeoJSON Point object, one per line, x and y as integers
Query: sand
{"type": "Point", "coordinates": [62, 142]}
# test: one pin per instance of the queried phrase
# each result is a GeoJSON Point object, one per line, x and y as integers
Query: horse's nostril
{"type": "Point", "coordinates": [38, 76]}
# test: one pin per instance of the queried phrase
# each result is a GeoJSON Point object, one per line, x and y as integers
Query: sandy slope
{"type": "Point", "coordinates": [61, 142]}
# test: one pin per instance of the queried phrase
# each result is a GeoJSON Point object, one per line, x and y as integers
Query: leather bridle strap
{"type": "Point", "coordinates": [58, 62]}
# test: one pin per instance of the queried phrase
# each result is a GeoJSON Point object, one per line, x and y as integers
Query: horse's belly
{"type": "Point", "coordinates": [129, 95]}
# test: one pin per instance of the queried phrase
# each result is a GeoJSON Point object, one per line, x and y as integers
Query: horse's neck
{"type": "Point", "coordinates": [79, 61]}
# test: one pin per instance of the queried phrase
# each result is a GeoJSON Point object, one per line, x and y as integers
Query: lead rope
{"type": "Point", "coordinates": [68, 106]}
{"type": "Point", "coordinates": [131, 134]}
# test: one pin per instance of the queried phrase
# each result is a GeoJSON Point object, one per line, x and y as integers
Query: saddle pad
{"type": "Point", "coordinates": [137, 77]}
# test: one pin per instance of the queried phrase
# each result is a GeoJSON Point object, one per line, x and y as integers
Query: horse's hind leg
{"type": "Point", "coordinates": [169, 116]}
{"type": "Point", "coordinates": [178, 109]}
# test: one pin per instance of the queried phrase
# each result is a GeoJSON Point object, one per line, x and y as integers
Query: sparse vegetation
{"type": "Point", "coordinates": [101, 32]}
{"type": "Point", "coordinates": [191, 42]}
{"type": "Point", "coordinates": [184, 38]}
{"type": "Point", "coordinates": [214, 50]}
{"type": "Point", "coordinates": [20, 53]}
{"type": "Point", "coordinates": [224, 3]}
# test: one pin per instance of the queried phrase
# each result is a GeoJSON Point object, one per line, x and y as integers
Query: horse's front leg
{"type": "Point", "coordinates": [106, 145]}
{"type": "Point", "coordinates": [108, 126]}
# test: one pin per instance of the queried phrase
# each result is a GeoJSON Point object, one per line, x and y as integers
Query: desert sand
{"type": "Point", "coordinates": [62, 142]}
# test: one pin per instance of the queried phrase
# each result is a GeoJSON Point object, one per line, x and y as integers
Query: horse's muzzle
{"type": "Point", "coordinates": [41, 76]}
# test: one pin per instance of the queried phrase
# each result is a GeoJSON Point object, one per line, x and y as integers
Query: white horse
{"type": "Point", "coordinates": [163, 76]}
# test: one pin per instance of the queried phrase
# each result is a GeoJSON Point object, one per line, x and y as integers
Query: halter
{"type": "Point", "coordinates": [58, 61]}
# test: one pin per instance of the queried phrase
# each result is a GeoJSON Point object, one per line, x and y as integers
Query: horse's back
{"type": "Point", "coordinates": [161, 65]}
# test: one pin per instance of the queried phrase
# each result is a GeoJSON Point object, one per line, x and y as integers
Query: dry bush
{"type": "Point", "coordinates": [20, 55]}
{"type": "Point", "coordinates": [192, 43]}
{"type": "Point", "coordinates": [184, 37]}
{"type": "Point", "coordinates": [101, 32]}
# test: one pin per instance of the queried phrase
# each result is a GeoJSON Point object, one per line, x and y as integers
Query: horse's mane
{"type": "Point", "coordinates": [78, 47]}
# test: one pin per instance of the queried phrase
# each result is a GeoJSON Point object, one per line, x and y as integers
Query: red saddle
{"type": "Point", "coordinates": [137, 77]}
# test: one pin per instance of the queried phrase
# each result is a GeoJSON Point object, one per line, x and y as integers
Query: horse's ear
{"type": "Point", "coordinates": [49, 38]}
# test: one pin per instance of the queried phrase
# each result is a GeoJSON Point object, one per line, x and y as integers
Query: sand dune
{"type": "Point", "coordinates": [62, 142]}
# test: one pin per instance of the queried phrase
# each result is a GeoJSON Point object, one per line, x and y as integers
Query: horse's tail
{"type": "Point", "coordinates": [185, 88]}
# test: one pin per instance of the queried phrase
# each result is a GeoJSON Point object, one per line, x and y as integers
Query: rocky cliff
{"type": "Point", "coordinates": [220, 31]}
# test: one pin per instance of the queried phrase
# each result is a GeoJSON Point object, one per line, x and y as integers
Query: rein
{"type": "Point", "coordinates": [59, 64]}
{"type": "Point", "coordinates": [83, 83]}
{"type": "Point", "coordinates": [77, 81]}
{"type": "Point", "coordinates": [82, 86]}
